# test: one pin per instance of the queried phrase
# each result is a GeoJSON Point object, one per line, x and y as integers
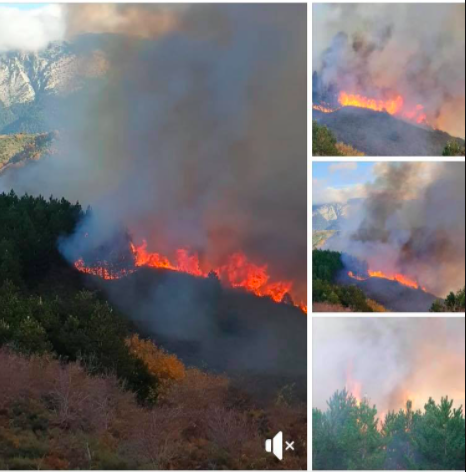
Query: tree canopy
{"type": "Point", "coordinates": [350, 436]}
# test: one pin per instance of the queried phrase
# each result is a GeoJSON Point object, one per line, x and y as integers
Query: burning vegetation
{"type": "Point", "coordinates": [371, 58]}
{"type": "Point", "coordinates": [238, 272]}
{"type": "Point", "coordinates": [403, 395]}
{"type": "Point", "coordinates": [401, 243]}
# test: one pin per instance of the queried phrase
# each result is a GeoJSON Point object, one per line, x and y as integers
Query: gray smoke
{"type": "Point", "coordinates": [412, 222]}
{"type": "Point", "coordinates": [393, 360]}
{"type": "Point", "coordinates": [196, 138]}
{"type": "Point", "coordinates": [416, 50]}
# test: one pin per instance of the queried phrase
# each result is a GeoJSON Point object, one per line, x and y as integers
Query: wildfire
{"type": "Point", "coordinates": [101, 271]}
{"type": "Point", "coordinates": [394, 106]}
{"type": "Point", "coordinates": [323, 108]}
{"type": "Point", "coordinates": [400, 278]}
{"type": "Point", "coordinates": [353, 386]}
{"type": "Point", "coordinates": [237, 272]}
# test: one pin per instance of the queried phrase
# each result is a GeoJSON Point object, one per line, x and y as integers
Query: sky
{"type": "Point", "coordinates": [24, 6]}
{"type": "Point", "coordinates": [338, 182]}
{"type": "Point", "coordinates": [30, 27]}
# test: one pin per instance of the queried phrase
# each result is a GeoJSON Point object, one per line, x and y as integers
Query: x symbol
{"type": "Point", "coordinates": [289, 446]}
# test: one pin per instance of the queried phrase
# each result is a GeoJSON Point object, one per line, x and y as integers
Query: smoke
{"type": "Point", "coordinates": [145, 21]}
{"type": "Point", "coordinates": [412, 222]}
{"type": "Point", "coordinates": [415, 50]}
{"type": "Point", "coordinates": [393, 360]}
{"type": "Point", "coordinates": [197, 136]}
{"type": "Point", "coordinates": [30, 30]}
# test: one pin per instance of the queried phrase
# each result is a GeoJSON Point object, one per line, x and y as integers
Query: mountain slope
{"type": "Point", "coordinates": [380, 134]}
{"type": "Point", "coordinates": [35, 86]}
{"type": "Point", "coordinates": [18, 148]}
{"type": "Point", "coordinates": [327, 217]}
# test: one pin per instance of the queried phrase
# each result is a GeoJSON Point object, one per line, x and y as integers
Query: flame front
{"type": "Point", "coordinates": [400, 278]}
{"type": "Point", "coordinates": [394, 106]}
{"type": "Point", "coordinates": [237, 272]}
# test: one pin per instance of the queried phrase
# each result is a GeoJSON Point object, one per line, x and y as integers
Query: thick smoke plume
{"type": "Point", "coordinates": [146, 21]}
{"type": "Point", "coordinates": [197, 138]}
{"type": "Point", "coordinates": [413, 50]}
{"type": "Point", "coordinates": [412, 222]}
{"type": "Point", "coordinates": [390, 361]}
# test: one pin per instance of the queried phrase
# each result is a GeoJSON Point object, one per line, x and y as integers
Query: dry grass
{"type": "Point", "coordinates": [75, 421]}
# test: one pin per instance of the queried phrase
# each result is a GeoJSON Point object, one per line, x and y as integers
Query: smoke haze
{"type": "Point", "coordinates": [197, 136]}
{"type": "Point", "coordinates": [393, 360]}
{"type": "Point", "coordinates": [416, 50]}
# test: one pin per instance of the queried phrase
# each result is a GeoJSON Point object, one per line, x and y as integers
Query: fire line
{"type": "Point", "coordinates": [237, 272]}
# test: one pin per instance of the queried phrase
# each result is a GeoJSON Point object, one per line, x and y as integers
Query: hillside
{"type": "Point", "coordinates": [319, 238]}
{"type": "Point", "coordinates": [82, 368]}
{"type": "Point", "coordinates": [380, 134]}
{"type": "Point", "coordinates": [36, 89]}
{"type": "Point", "coordinates": [17, 149]}
{"type": "Point", "coordinates": [220, 329]}
{"type": "Point", "coordinates": [327, 217]}
{"type": "Point", "coordinates": [392, 295]}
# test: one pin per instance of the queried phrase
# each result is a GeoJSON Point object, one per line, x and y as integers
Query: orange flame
{"type": "Point", "coordinates": [395, 106]}
{"type": "Point", "coordinates": [323, 108]}
{"type": "Point", "coordinates": [101, 271]}
{"type": "Point", "coordinates": [238, 272]}
{"type": "Point", "coordinates": [353, 386]}
{"type": "Point", "coordinates": [400, 278]}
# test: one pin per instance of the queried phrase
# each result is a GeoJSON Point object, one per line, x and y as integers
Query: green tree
{"type": "Point", "coordinates": [454, 148]}
{"type": "Point", "coordinates": [324, 142]}
{"type": "Point", "coordinates": [439, 437]}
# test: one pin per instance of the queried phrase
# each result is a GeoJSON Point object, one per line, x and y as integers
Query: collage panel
{"type": "Point", "coordinates": [388, 393]}
{"type": "Point", "coordinates": [388, 237]}
{"type": "Point", "coordinates": [388, 79]}
{"type": "Point", "coordinates": [232, 236]}
{"type": "Point", "coordinates": [153, 216]}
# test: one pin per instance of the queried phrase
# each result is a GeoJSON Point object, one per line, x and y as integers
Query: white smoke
{"type": "Point", "coordinates": [393, 360]}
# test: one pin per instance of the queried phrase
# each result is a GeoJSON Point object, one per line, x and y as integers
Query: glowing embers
{"type": "Point", "coordinates": [400, 278]}
{"type": "Point", "coordinates": [103, 270]}
{"type": "Point", "coordinates": [324, 108]}
{"type": "Point", "coordinates": [395, 106]}
{"type": "Point", "coordinates": [237, 272]}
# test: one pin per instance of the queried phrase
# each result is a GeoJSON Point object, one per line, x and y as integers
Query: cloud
{"type": "Point", "coordinates": [343, 166]}
{"type": "Point", "coordinates": [323, 194]}
{"type": "Point", "coordinates": [30, 30]}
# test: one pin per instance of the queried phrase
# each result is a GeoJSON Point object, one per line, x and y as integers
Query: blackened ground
{"type": "Point", "coordinates": [380, 134]}
{"type": "Point", "coordinates": [392, 295]}
{"type": "Point", "coordinates": [260, 344]}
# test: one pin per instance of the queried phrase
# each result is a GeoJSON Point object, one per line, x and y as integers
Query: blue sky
{"type": "Point", "coordinates": [340, 181]}
{"type": "Point", "coordinates": [343, 174]}
{"type": "Point", "coordinates": [23, 6]}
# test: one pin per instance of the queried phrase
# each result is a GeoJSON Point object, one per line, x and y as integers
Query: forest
{"type": "Point", "coordinates": [350, 436]}
{"type": "Point", "coordinates": [80, 388]}
{"type": "Point", "coordinates": [326, 266]}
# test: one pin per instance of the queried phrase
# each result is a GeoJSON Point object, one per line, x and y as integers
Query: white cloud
{"type": "Point", "coordinates": [30, 30]}
{"type": "Point", "coordinates": [325, 194]}
{"type": "Point", "coordinates": [343, 166]}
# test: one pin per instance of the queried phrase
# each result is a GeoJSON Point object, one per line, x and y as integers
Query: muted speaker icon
{"type": "Point", "coordinates": [275, 445]}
